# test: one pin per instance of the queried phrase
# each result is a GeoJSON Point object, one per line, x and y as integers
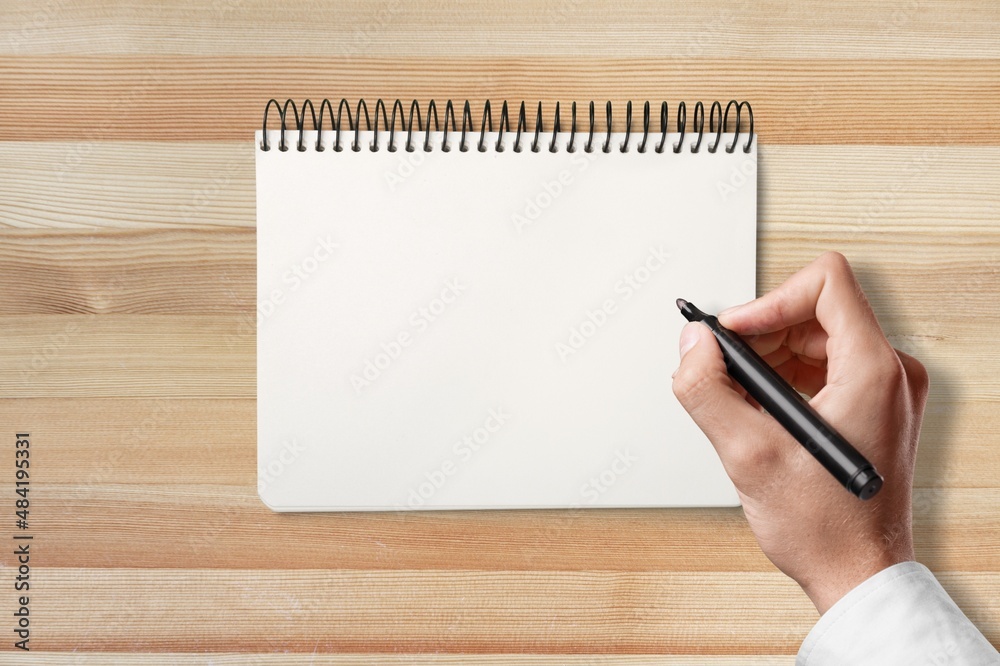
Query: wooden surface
{"type": "Point", "coordinates": [127, 292]}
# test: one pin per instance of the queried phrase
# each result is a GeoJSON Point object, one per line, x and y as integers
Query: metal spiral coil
{"type": "Point", "coordinates": [718, 121]}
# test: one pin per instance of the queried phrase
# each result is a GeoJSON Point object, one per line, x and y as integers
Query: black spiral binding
{"type": "Point", "coordinates": [718, 121]}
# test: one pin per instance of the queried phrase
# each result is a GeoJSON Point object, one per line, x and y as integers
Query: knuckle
{"type": "Point", "coordinates": [838, 269]}
{"type": "Point", "coordinates": [778, 306]}
{"type": "Point", "coordinates": [892, 371]}
{"type": "Point", "coordinates": [835, 261]}
{"type": "Point", "coordinates": [749, 455]}
{"type": "Point", "coordinates": [692, 387]}
{"type": "Point", "coordinates": [916, 373]}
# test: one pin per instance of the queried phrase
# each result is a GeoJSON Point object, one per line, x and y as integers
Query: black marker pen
{"type": "Point", "coordinates": [789, 408]}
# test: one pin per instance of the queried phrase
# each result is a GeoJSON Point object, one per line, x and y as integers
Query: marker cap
{"type": "Point", "coordinates": [866, 483]}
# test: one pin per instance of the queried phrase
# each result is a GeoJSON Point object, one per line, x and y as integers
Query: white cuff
{"type": "Point", "coordinates": [901, 615]}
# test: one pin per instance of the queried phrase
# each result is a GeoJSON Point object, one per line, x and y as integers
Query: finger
{"type": "Point", "coordinates": [706, 391]}
{"type": "Point", "coordinates": [803, 377]}
{"type": "Point", "coordinates": [825, 290]}
{"type": "Point", "coordinates": [807, 340]}
{"type": "Point", "coordinates": [766, 343]}
{"type": "Point", "coordinates": [815, 362]}
{"type": "Point", "coordinates": [778, 356]}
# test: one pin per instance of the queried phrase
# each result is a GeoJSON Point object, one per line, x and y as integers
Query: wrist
{"type": "Point", "coordinates": [827, 589]}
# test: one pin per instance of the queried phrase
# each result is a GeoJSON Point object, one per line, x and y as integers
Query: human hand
{"type": "Point", "coordinates": [818, 331]}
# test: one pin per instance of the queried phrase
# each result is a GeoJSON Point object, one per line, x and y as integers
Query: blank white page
{"type": "Point", "coordinates": [461, 330]}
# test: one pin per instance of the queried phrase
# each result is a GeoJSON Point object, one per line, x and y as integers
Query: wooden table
{"type": "Point", "coordinates": [127, 293]}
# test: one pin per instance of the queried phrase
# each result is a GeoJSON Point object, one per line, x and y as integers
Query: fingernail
{"type": "Point", "coordinates": [689, 338]}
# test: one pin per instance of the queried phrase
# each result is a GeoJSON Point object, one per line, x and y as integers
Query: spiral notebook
{"type": "Point", "coordinates": [465, 309]}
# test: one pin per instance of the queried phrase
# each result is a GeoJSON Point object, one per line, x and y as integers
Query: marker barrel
{"type": "Point", "coordinates": [795, 414]}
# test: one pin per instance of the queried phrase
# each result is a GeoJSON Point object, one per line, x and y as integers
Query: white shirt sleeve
{"type": "Point", "coordinates": [901, 615]}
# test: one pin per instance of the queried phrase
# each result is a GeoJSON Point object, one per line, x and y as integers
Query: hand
{"type": "Point", "coordinates": [819, 332]}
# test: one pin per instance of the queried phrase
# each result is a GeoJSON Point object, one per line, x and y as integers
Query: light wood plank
{"type": "Point", "coordinates": [530, 28]}
{"type": "Point", "coordinates": [214, 355]}
{"type": "Point", "coordinates": [134, 441]}
{"type": "Point", "coordinates": [181, 441]}
{"type": "Point", "coordinates": [150, 467]}
{"type": "Point", "coordinates": [192, 271]}
{"type": "Point", "coordinates": [866, 101]}
{"type": "Point", "coordinates": [828, 194]}
{"type": "Point", "coordinates": [362, 659]}
{"type": "Point", "coordinates": [414, 611]}
{"type": "Point", "coordinates": [127, 207]}
{"type": "Point", "coordinates": [206, 356]}
{"type": "Point", "coordinates": [178, 525]}
{"type": "Point", "coordinates": [95, 184]}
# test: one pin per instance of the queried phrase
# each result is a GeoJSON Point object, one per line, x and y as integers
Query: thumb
{"type": "Point", "coordinates": [703, 387]}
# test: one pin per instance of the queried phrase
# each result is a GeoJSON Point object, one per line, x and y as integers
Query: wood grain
{"type": "Point", "coordinates": [823, 192]}
{"type": "Point", "coordinates": [212, 356]}
{"type": "Point", "coordinates": [919, 102]}
{"type": "Point", "coordinates": [97, 658]}
{"type": "Point", "coordinates": [151, 467]}
{"type": "Point", "coordinates": [136, 441]}
{"type": "Point", "coordinates": [131, 272]}
{"type": "Point", "coordinates": [720, 28]}
{"type": "Point", "coordinates": [348, 611]}
{"type": "Point", "coordinates": [188, 525]}
{"type": "Point", "coordinates": [127, 271]}
{"type": "Point", "coordinates": [126, 185]}
{"type": "Point", "coordinates": [206, 356]}
{"type": "Point", "coordinates": [455, 611]}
